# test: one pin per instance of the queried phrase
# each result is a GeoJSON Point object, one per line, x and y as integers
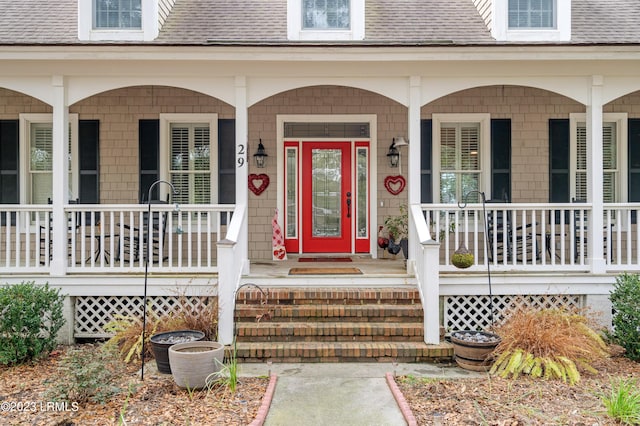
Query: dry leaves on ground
{"type": "Point", "coordinates": [155, 401]}
{"type": "Point", "coordinates": [491, 400]}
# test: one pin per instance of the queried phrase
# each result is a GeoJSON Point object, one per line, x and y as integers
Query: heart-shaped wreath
{"type": "Point", "coordinates": [394, 184]}
{"type": "Point", "coordinates": [258, 183]}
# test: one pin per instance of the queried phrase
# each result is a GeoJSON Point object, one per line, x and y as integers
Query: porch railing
{"type": "Point", "coordinates": [534, 236]}
{"type": "Point", "coordinates": [113, 238]}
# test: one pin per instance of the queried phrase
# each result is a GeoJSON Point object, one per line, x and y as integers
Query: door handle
{"type": "Point", "coordinates": [348, 204]}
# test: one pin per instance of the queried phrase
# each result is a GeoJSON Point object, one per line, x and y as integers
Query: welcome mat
{"type": "Point", "coordinates": [325, 271]}
{"type": "Point", "coordinates": [324, 259]}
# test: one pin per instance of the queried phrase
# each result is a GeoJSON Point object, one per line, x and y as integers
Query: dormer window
{"type": "Point", "coordinates": [532, 14]}
{"type": "Point", "coordinates": [531, 20]}
{"type": "Point", "coordinates": [118, 20]}
{"type": "Point", "coordinates": [326, 14]}
{"type": "Point", "coordinates": [325, 20]}
{"type": "Point", "coordinates": [121, 14]}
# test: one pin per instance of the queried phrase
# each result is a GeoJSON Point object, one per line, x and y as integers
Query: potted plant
{"type": "Point", "coordinates": [397, 227]}
{"type": "Point", "coordinates": [161, 342]}
{"type": "Point", "coordinates": [193, 362]}
{"type": "Point", "coordinates": [473, 349]}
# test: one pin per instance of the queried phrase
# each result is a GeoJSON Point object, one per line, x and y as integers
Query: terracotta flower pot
{"type": "Point", "coordinates": [192, 362]}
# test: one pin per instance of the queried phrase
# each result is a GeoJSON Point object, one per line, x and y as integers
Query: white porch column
{"type": "Point", "coordinates": [595, 176]}
{"type": "Point", "coordinates": [413, 175]}
{"type": "Point", "coordinates": [60, 193]}
{"type": "Point", "coordinates": [242, 165]}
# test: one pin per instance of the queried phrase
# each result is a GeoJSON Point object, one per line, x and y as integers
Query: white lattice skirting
{"type": "Point", "coordinates": [473, 312]}
{"type": "Point", "coordinates": [460, 312]}
{"type": "Point", "coordinates": [93, 312]}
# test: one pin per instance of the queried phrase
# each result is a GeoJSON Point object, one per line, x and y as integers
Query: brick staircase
{"type": "Point", "coordinates": [333, 325]}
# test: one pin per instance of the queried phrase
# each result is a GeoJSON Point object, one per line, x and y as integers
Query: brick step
{"type": "Point", "coordinates": [343, 352]}
{"type": "Point", "coordinates": [329, 332]}
{"type": "Point", "coordinates": [345, 296]}
{"type": "Point", "coordinates": [319, 313]}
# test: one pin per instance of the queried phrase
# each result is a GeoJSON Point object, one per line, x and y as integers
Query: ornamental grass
{"type": "Point", "coordinates": [548, 343]}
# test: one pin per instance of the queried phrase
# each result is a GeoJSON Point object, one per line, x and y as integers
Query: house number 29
{"type": "Point", "coordinates": [241, 153]}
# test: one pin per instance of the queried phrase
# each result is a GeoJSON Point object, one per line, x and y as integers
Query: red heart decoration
{"type": "Point", "coordinates": [258, 183]}
{"type": "Point", "coordinates": [394, 184]}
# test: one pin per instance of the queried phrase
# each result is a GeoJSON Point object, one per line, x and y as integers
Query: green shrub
{"type": "Point", "coordinates": [623, 403]}
{"type": "Point", "coordinates": [30, 318]}
{"type": "Point", "coordinates": [625, 299]}
{"type": "Point", "coordinates": [87, 373]}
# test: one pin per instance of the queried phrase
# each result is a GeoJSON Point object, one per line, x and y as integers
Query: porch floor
{"type": "Point", "coordinates": [389, 266]}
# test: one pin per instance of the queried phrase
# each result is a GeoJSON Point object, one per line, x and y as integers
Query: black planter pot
{"type": "Point", "coordinates": [161, 342]}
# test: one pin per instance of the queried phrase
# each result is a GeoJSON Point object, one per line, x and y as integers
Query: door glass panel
{"type": "Point", "coordinates": [361, 202]}
{"type": "Point", "coordinates": [292, 191]}
{"type": "Point", "coordinates": [326, 192]}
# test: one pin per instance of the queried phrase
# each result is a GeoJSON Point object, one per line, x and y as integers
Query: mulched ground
{"type": "Point", "coordinates": [156, 401]}
{"type": "Point", "coordinates": [492, 400]}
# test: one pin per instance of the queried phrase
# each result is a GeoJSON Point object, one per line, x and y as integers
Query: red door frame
{"type": "Point", "coordinates": [297, 241]}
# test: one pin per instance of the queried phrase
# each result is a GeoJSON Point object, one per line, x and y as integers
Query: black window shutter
{"type": "Point", "coordinates": [634, 159]}
{"type": "Point", "coordinates": [501, 159]}
{"type": "Point", "coordinates": [226, 161]}
{"type": "Point", "coordinates": [634, 162]}
{"type": "Point", "coordinates": [89, 153]}
{"type": "Point", "coordinates": [9, 189]}
{"type": "Point", "coordinates": [559, 164]}
{"type": "Point", "coordinates": [9, 160]}
{"type": "Point", "coordinates": [426, 163]}
{"type": "Point", "coordinates": [149, 153]}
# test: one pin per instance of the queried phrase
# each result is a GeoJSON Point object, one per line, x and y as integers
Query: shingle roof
{"type": "Point", "coordinates": [197, 22]}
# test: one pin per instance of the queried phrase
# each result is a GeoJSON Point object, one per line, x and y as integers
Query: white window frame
{"type": "Point", "coordinates": [484, 121]}
{"type": "Point", "coordinates": [502, 32]}
{"type": "Point", "coordinates": [26, 120]}
{"type": "Point", "coordinates": [149, 31]}
{"type": "Point", "coordinates": [166, 120]}
{"type": "Point", "coordinates": [296, 32]}
{"type": "Point", "coordinates": [620, 121]}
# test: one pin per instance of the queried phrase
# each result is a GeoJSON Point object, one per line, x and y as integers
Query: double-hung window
{"type": "Point", "coordinates": [120, 14]}
{"type": "Point", "coordinates": [37, 152]}
{"type": "Point", "coordinates": [130, 20]}
{"type": "Point", "coordinates": [325, 19]}
{"type": "Point", "coordinates": [531, 20]}
{"type": "Point", "coordinates": [461, 161]}
{"type": "Point", "coordinates": [613, 154]}
{"type": "Point", "coordinates": [188, 156]}
{"type": "Point", "coordinates": [532, 14]}
{"type": "Point", "coordinates": [326, 14]}
{"type": "Point", "coordinates": [190, 169]}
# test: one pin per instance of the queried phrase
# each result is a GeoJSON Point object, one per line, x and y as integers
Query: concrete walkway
{"type": "Point", "coordinates": [334, 394]}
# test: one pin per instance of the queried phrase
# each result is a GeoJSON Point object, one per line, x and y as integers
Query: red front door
{"type": "Point", "coordinates": [326, 197]}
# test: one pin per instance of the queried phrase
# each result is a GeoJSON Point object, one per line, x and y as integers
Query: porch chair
{"type": "Point", "coordinates": [502, 230]}
{"type": "Point", "coordinates": [47, 230]}
{"type": "Point", "coordinates": [581, 225]}
{"type": "Point", "coordinates": [133, 247]}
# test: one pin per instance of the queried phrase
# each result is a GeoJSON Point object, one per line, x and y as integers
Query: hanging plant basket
{"type": "Point", "coordinates": [462, 258]}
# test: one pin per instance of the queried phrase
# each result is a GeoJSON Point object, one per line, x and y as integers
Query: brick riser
{"type": "Point", "coordinates": [333, 325]}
